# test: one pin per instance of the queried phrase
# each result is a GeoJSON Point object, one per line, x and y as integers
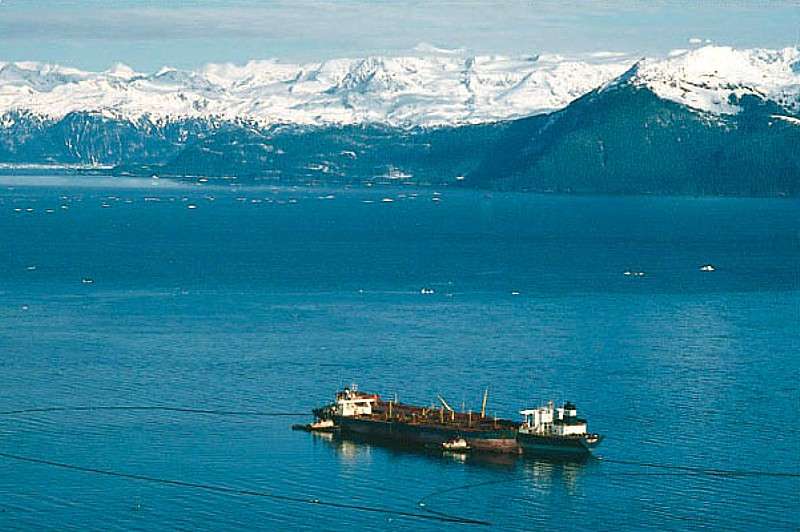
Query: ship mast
{"type": "Point", "coordinates": [441, 399]}
{"type": "Point", "coordinates": [483, 404]}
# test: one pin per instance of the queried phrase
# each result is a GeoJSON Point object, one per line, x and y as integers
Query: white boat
{"type": "Point", "coordinates": [396, 173]}
{"type": "Point", "coordinates": [321, 425]}
{"type": "Point", "coordinates": [456, 445]}
{"type": "Point", "coordinates": [707, 268]}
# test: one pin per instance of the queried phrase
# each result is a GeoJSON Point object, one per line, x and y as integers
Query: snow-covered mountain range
{"type": "Point", "coordinates": [433, 88]}
{"type": "Point", "coordinates": [708, 121]}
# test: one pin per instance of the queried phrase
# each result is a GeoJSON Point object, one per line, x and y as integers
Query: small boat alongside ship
{"type": "Point", "coordinates": [544, 430]}
{"type": "Point", "coordinates": [458, 445]}
{"type": "Point", "coordinates": [321, 425]}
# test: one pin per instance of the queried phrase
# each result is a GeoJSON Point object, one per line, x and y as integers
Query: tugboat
{"type": "Point", "coordinates": [321, 425]}
{"type": "Point", "coordinates": [458, 445]}
{"type": "Point", "coordinates": [555, 431]}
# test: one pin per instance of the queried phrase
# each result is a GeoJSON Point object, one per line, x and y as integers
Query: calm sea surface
{"type": "Point", "coordinates": [269, 299]}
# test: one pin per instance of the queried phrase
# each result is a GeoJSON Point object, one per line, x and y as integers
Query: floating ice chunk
{"type": "Point", "coordinates": [631, 273]}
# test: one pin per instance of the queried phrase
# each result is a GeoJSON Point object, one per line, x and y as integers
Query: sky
{"type": "Point", "coordinates": [96, 34]}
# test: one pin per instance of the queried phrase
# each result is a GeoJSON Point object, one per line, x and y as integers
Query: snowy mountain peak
{"type": "Point", "coordinates": [376, 74]}
{"type": "Point", "coordinates": [630, 76]}
{"type": "Point", "coordinates": [435, 87]}
{"type": "Point", "coordinates": [121, 70]}
{"type": "Point", "coordinates": [714, 78]}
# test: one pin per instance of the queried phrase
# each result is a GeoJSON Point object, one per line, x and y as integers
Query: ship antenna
{"type": "Point", "coordinates": [483, 404]}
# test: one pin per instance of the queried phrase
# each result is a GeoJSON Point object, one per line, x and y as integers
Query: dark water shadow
{"type": "Point", "coordinates": [342, 444]}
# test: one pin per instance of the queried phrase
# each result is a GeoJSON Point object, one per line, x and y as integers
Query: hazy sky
{"type": "Point", "coordinates": [95, 34]}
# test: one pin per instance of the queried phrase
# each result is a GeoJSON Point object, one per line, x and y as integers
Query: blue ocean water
{"type": "Point", "coordinates": [269, 299]}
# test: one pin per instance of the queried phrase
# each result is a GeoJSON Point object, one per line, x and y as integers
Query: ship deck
{"type": "Point", "coordinates": [437, 418]}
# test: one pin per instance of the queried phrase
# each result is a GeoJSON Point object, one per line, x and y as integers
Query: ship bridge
{"type": "Point", "coordinates": [350, 402]}
{"type": "Point", "coordinates": [549, 420]}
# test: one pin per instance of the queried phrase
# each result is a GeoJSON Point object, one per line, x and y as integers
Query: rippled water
{"type": "Point", "coordinates": [269, 299]}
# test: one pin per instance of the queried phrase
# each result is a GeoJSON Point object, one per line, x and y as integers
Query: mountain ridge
{"type": "Point", "coordinates": [440, 89]}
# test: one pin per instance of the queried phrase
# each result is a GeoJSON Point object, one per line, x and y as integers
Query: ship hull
{"type": "Point", "coordinates": [499, 441]}
{"type": "Point", "coordinates": [541, 445]}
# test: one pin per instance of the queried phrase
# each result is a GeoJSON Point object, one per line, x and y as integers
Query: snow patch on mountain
{"type": "Point", "coordinates": [436, 87]}
{"type": "Point", "coordinates": [714, 78]}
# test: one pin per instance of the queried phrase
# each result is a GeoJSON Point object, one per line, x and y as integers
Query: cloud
{"type": "Point", "coordinates": [146, 33]}
{"type": "Point", "coordinates": [432, 49]}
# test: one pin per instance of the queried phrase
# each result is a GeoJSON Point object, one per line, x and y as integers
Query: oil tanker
{"type": "Point", "coordinates": [544, 430]}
